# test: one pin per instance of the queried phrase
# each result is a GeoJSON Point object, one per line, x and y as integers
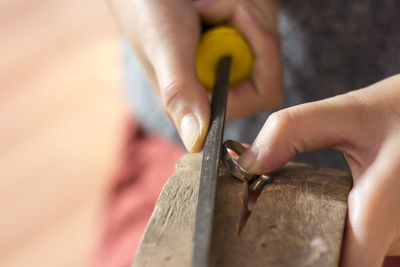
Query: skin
{"type": "Point", "coordinates": [363, 124]}
{"type": "Point", "coordinates": [165, 35]}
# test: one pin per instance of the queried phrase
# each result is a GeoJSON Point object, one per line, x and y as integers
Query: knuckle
{"type": "Point", "coordinates": [172, 97]}
{"type": "Point", "coordinates": [282, 119]}
{"type": "Point", "coordinates": [284, 125]}
{"type": "Point", "coordinates": [217, 12]}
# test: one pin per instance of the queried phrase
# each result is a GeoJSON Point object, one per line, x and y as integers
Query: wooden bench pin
{"type": "Point", "coordinates": [297, 220]}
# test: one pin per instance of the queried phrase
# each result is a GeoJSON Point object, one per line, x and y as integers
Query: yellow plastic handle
{"type": "Point", "coordinates": [217, 43]}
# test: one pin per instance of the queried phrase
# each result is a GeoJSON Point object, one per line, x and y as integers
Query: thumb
{"type": "Point", "coordinates": [296, 130]}
{"type": "Point", "coordinates": [170, 44]}
{"type": "Point", "coordinates": [185, 100]}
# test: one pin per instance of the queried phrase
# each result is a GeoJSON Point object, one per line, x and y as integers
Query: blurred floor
{"type": "Point", "coordinates": [60, 68]}
{"type": "Point", "coordinates": [43, 39]}
{"type": "Point", "coordinates": [62, 121]}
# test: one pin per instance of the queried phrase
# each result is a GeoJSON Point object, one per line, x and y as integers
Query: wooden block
{"type": "Point", "coordinates": [297, 220]}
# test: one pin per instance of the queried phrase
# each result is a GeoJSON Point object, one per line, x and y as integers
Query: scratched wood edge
{"type": "Point", "coordinates": [298, 220]}
{"type": "Point", "coordinates": [168, 239]}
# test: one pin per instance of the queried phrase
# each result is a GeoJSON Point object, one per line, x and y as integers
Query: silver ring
{"type": "Point", "coordinates": [234, 168]}
{"type": "Point", "coordinates": [256, 182]}
{"type": "Point", "coordinates": [259, 183]}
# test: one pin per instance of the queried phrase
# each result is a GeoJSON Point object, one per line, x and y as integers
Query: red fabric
{"type": "Point", "coordinates": [149, 161]}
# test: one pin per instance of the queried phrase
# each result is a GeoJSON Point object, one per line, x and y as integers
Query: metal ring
{"type": "Point", "coordinates": [237, 171]}
{"type": "Point", "coordinates": [260, 182]}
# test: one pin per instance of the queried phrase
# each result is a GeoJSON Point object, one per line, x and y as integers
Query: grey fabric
{"type": "Point", "coordinates": [329, 48]}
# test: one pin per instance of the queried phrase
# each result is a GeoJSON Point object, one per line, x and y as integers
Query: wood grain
{"type": "Point", "coordinates": [297, 220]}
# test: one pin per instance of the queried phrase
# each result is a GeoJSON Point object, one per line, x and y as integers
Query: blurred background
{"type": "Point", "coordinates": [69, 151]}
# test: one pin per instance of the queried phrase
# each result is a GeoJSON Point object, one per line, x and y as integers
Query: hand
{"type": "Point", "coordinates": [165, 35]}
{"type": "Point", "coordinates": [365, 126]}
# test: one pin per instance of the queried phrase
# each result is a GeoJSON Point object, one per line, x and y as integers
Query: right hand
{"type": "Point", "coordinates": [364, 124]}
{"type": "Point", "coordinates": [165, 36]}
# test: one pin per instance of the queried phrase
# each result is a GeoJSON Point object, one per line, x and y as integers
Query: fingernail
{"type": "Point", "coordinates": [248, 16]}
{"type": "Point", "coordinates": [190, 130]}
{"type": "Point", "coordinates": [248, 158]}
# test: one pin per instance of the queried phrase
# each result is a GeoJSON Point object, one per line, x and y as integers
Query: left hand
{"type": "Point", "coordinates": [365, 126]}
{"type": "Point", "coordinates": [257, 20]}
{"type": "Point", "coordinates": [165, 36]}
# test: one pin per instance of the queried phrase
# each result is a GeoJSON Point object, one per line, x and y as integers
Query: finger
{"type": "Point", "coordinates": [124, 10]}
{"type": "Point", "coordinates": [299, 129]}
{"type": "Point", "coordinates": [265, 88]}
{"type": "Point", "coordinates": [257, 20]}
{"type": "Point", "coordinates": [373, 217]}
{"type": "Point", "coordinates": [145, 65]}
{"type": "Point", "coordinates": [185, 100]}
{"type": "Point", "coordinates": [167, 34]}
{"type": "Point", "coordinates": [172, 55]}
{"type": "Point", "coordinates": [215, 11]}
{"type": "Point", "coordinates": [244, 100]}
{"type": "Point", "coordinates": [265, 14]}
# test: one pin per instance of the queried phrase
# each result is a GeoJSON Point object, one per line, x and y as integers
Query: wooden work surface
{"type": "Point", "coordinates": [297, 220]}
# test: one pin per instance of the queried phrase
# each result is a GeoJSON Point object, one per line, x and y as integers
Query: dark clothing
{"type": "Point", "coordinates": [329, 47]}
